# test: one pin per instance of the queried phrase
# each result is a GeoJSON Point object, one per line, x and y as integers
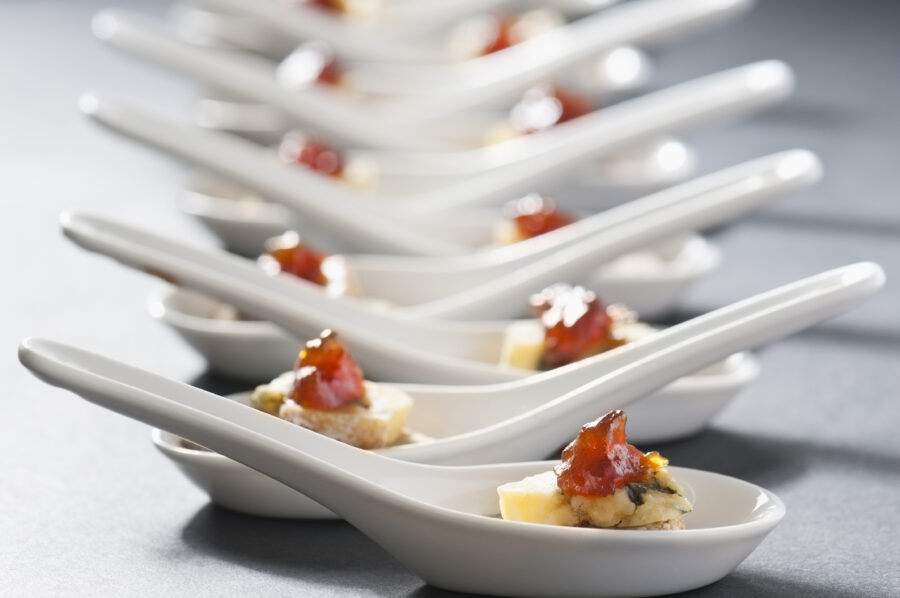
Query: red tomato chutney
{"type": "Point", "coordinates": [576, 324]}
{"type": "Point", "coordinates": [311, 152]}
{"type": "Point", "coordinates": [329, 5]}
{"type": "Point", "coordinates": [326, 376]}
{"type": "Point", "coordinates": [502, 34]}
{"type": "Point", "coordinates": [293, 257]}
{"type": "Point", "coordinates": [547, 105]}
{"type": "Point", "coordinates": [600, 461]}
{"type": "Point", "coordinates": [535, 215]}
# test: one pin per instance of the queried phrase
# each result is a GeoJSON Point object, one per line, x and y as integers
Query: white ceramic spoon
{"type": "Point", "coordinates": [489, 284]}
{"type": "Point", "coordinates": [475, 177]}
{"type": "Point", "coordinates": [649, 281]}
{"type": "Point", "coordinates": [243, 220]}
{"type": "Point", "coordinates": [228, 31]}
{"type": "Point", "coordinates": [397, 125]}
{"type": "Point", "coordinates": [500, 272]}
{"type": "Point", "coordinates": [501, 422]}
{"type": "Point", "coordinates": [440, 522]}
{"type": "Point", "coordinates": [385, 344]}
{"type": "Point", "coordinates": [649, 21]}
{"type": "Point", "coordinates": [397, 20]}
{"type": "Point", "coordinates": [680, 410]}
{"type": "Point", "coordinates": [253, 352]}
{"type": "Point", "coordinates": [413, 19]}
{"type": "Point", "coordinates": [709, 200]}
{"type": "Point", "coordinates": [372, 224]}
{"type": "Point", "coordinates": [521, 419]}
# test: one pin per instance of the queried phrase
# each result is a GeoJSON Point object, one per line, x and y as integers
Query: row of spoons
{"type": "Point", "coordinates": [426, 315]}
{"type": "Point", "coordinates": [421, 224]}
{"type": "Point", "coordinates": [439, 92]}
{"type": "Point", "coordinates": [465, 547]}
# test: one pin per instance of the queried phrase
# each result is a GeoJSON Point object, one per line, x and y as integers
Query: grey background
{"type": "Point", "coordinates": [87, 507]}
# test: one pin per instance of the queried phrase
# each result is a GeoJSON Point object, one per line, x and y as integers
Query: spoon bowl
{"type": "Point", "coordinates": [440, 522]}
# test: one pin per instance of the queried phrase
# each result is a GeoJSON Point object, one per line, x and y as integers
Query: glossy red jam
{"type": "Point", "coordinates": [501, 34]}
{"type": "Point", "coordinates": [311, 152]}
{"type": "Point", "coordinates": [293, 257]}
{"type": "Point", "coordinates": [326, 375]}
{"type": "Point", "coordinates": [329, 5]}
{"type": "Point", "coordinates": [576, 324]}
{"type": "Point", "coordinates": [311, 63]}
{"type": "Point", "coordinates": [330, 73]}
{"type": "Point", "coordinates": [600, 461]}
{"type": "Point", "coordinates": [535, 215]}
{"type": "Point", "coordinates": [547, 105]}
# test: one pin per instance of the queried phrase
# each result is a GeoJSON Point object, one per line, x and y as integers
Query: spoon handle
{"type": "Point", "coordinates": [385, 345]}
{"type": "Point", "coordinates": [345, 479]}
{"type": "Point", "coordinates": [317, 197]}
{"type": "Point", "coordinates": [322, 468]}
{"type": "Point", "coordinates": [316, 109]}
{"type": "Point", "coordinates": [502, 76]}
{"type": "Point", "coordinates": [529, 162]}
{"type": "Point", "coordinates": [746, 188]}
{"type": "Point", "coordinates": [639, 368]}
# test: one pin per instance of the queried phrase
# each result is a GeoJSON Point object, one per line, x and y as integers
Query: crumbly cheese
{"type": "Point", "coordinates": [523, 341]}
{"type": "Point", "coordinates": [377, 425]}
{"type": "Point", "coordinates": [655, 504]}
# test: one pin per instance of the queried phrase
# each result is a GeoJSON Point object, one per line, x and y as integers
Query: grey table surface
{"type": "Point", "coordinates": [87, 507]}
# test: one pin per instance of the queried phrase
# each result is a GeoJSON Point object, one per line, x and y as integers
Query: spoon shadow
{"type": "Point", "coordinates": [736, 585]}
{"type": "Point", "coordinates": [311, 550]}
{"type": "Point", "coordinates": [753, 584]}
{"type": "Point", "coordinates": [216, 383]}
{"type": "Point", "coordinates": [770, 460]}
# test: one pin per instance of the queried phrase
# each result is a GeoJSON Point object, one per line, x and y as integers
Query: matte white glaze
{"type": "Point", "coordinates": [440, 522]}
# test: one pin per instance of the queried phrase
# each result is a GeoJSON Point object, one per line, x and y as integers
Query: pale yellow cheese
{"type": "Point", "coordinates": [523, 345]}
{"type": "Point", "coordinates": [537, 499]}
{"type": "Point", "coordinates": [381, 423]}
